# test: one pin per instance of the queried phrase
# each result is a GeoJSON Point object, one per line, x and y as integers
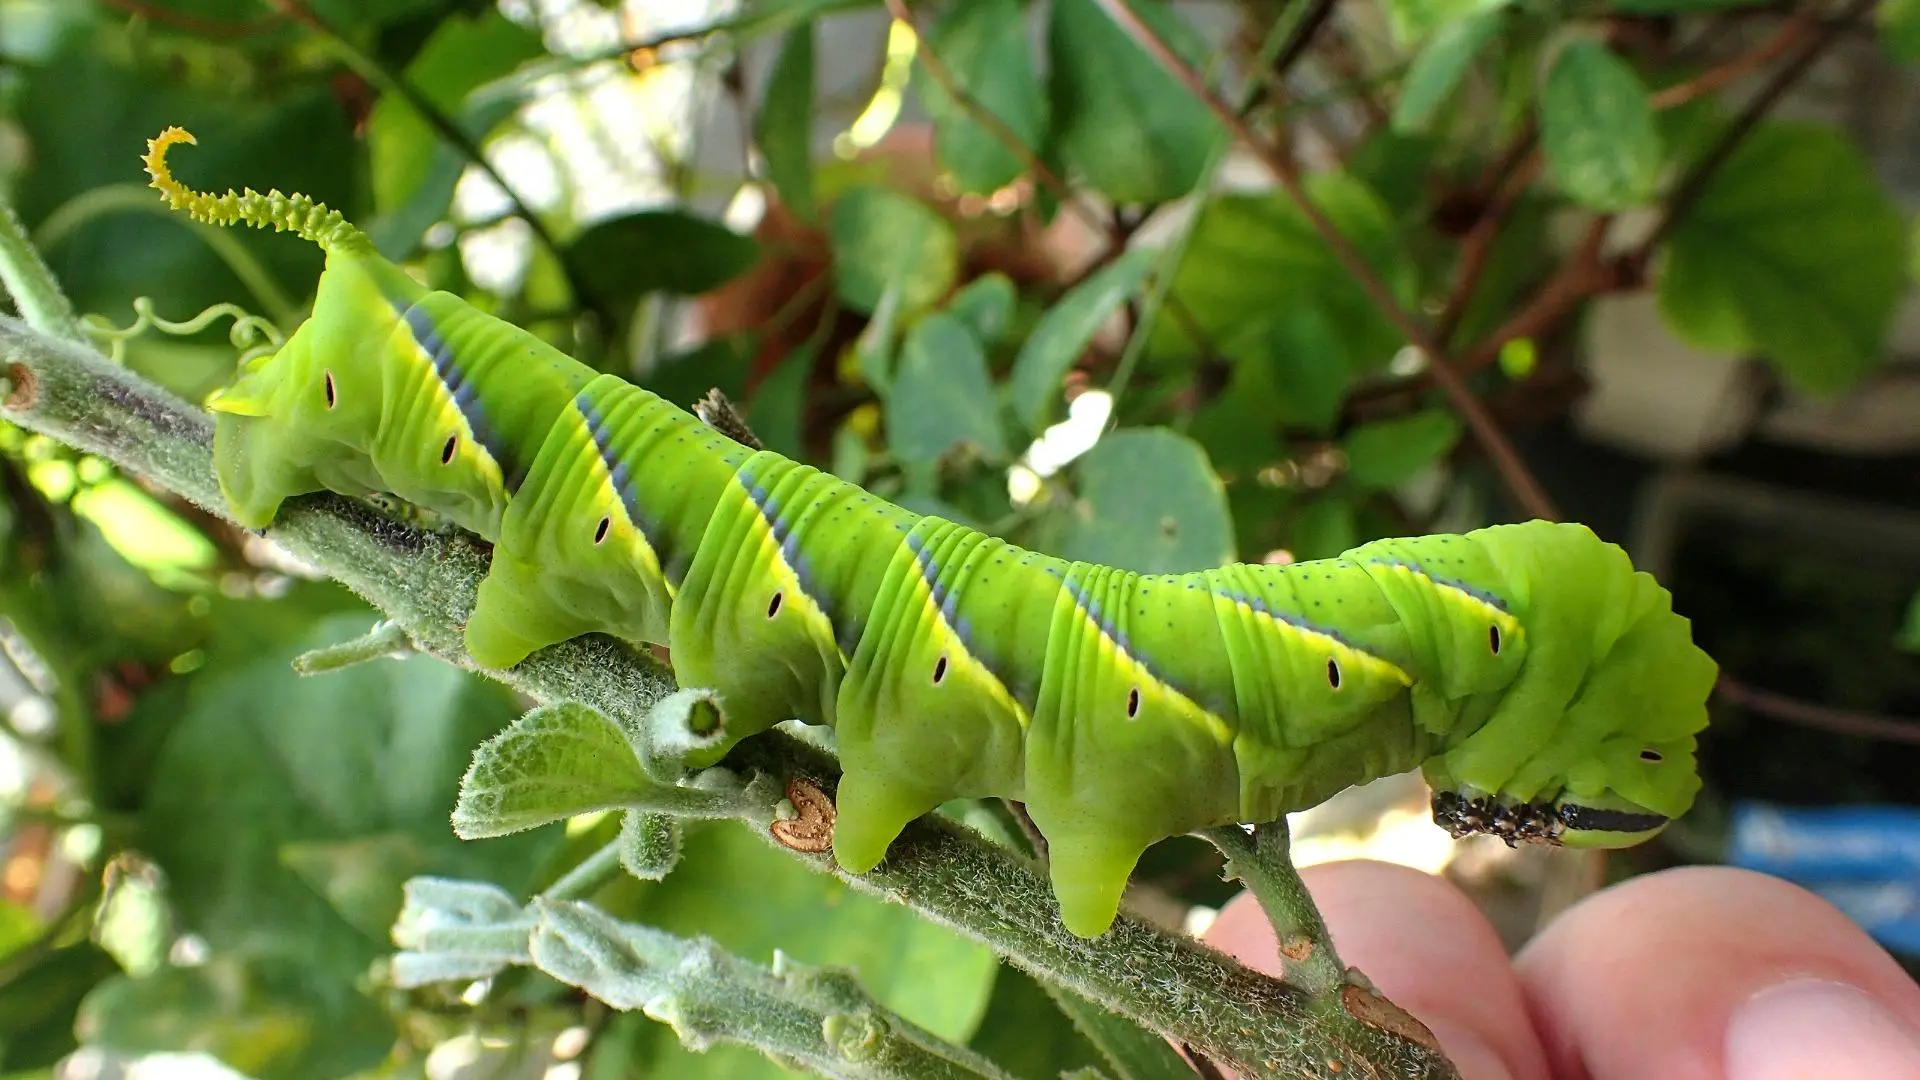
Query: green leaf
{"type": "Point", "coordinates": [1443, 60]}
{"type": "Point", "coordinates": [774, 414]}
{"type": "Point", "coordinates": [1412, 21]}
{"type": "Point", "coordinates": [784, 128]}
{"type": "Point", "coordinates": [457, 931]}
{"type": "Point", "coordinates": [294, 136]}
{"type": "Point", "coordinates": [268, 771]}
{"type": "Point", "coordinates": [1597, 131]}
{"type": "Point", "coordinates": [621, 259]}
{"type": "Point", "coordinates": [1120, 121]}
{"type": "Point", "coordinates": [217, 1009]}
{"type": "Point", "coordinates": [464, 52]}
{"type": "Point", "coordinates": [1909, 636]}
{"type": "Point", "coordinates": [1025, 1032]}
{"type": "Point", "coordinates": [1253, 256]}
{"type": "Point", "coordinates": [1793, 251]}
{"type": "Point", "coordinates": [553, 763]}
{"type": "Point", "coordinates": [1387, 453]}
{"type": "Point", "coordinates": [942, 394]}
{"type": "Point", "coordinates": [39, 1001]}
{"type": "Point", "coordinates": [1322, 528]}
{"type": "Point", "coordinates": [983, 46]}
{"type": "Point", "coordinates": [986, 306]}
{"type": "Point", "coordinates": [1150, 502]}
{"type": "Point", "coordinates": [882, 238]}
{"type": "Point", "coordinates": [1065, 330]}
{"type": "Point", "coordinates": [1308, 367]}
{"type": "Point", "coordinates": [1899, 25]}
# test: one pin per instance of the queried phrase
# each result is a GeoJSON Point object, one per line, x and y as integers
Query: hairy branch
{"type": "Point", "coordinates": [426, 582]}
{"type": "Point", "coordinates": [794, 1013]}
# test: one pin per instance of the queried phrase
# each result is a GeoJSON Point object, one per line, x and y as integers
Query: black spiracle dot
{"type": "Point", "coordinates": [1333, 673]}
{"type": "Point", "coordinates": [1652, 755]}
{"type": "Point", "coordinates": [939, 670]}
{"type": "Point", "coordinates": [773, 606]}
{"type": "Point", "coordinates": [600, 533]}
{"type": "Point", "coordinates": [1133, 703]}
{"type": "Point", "coordinates": [1493, 638]}
{"type": "Point", "coordinates": [327, 378]}
{"type": "Point", "coordinates": [446, 452]}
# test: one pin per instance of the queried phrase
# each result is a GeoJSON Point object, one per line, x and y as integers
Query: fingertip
{"type": "Point", "coordinates": [1424, 944]}
{"type": "Point", "coordinates": [1681, 959]}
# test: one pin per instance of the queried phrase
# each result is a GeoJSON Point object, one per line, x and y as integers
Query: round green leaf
{"type": "Point", "coordinates": [1151, 502]}
{"type": "Point", "coordinates": [1251, 256]}
{"type": "Point", "coordinates": [882, 238]}
{"type": "Point", "coordinates": [1388, 453]}
{"type": "Point", "coordinates": [624, 258]}
{"type": "Point", "coordinates": [1597, 131]}
{"type": "Point", "coordinates": [942, 394]}
{"type": "Point", "coordinates": [1792, 251]}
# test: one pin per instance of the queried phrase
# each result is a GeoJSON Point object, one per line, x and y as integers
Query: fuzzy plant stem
{"type": "Point", "coordinates": [27, 280]}
{"type": "Point", "coordinates": [805, 1017]}
{"type": "Point", "coordinates": [426, 583]}
{"type": "Point", "coordinates": [1263, 862]}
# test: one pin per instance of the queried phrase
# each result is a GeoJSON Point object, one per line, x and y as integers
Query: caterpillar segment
{"type": "Point", "coordinates": [1546, 689]}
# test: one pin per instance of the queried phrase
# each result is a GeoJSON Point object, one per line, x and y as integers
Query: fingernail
{"type": "Point", "coordinates": [1811, 1027]}
{"type": "Point", "coordinates": [1472, 1058]}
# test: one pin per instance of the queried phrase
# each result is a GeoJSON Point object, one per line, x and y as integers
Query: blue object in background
{"type": "Point", "coordinates": [1863, 860]}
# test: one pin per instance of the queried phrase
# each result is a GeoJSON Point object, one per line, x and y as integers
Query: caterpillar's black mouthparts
{"type": "Point", "coordinates": [1532, 822]}
{"type": "Point", "coordinates": [1535, 823]}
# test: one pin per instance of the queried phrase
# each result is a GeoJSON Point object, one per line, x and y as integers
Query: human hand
{"type": "Point", "coordinates": [1700, 973]}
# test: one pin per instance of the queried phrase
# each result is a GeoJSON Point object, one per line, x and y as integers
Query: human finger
{"type": "Point", "coordinates": [1713, 973]}
{"type": "Point", "coordinates": [1425, 945]}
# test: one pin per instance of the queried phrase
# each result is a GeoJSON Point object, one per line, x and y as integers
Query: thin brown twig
{"type": "Point", "coordinates": [1117, 232]}
{"type": "Point", "coordinates": [1866, 725]}
{"type": "Point", "coordinates": [986, 118]}
{"type": "Point", "coordinates": [1582, 275]}
{"type": "Point", "coordinates": [1476, 248]}
{"type": "Point", "coordinates": [1720, 76]}
{"type": "Point", "coordinates": [1694, 184]}
{"type": "Point", "coordinates": [1519, 480]}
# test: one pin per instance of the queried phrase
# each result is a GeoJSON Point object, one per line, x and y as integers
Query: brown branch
{"type": "Point", "coordinates": [1715, 78]}
{"type": "Point", "coordinates": [1694, 184]}
{"type": "Point", "coordinates": [1519, 480]}
{"type": "Point", "coordinates": [1522, 164]}
{"type": "Point", "coordinates": [1866, 725]}
{"type": "Point", "coordinates": [1582, 275]}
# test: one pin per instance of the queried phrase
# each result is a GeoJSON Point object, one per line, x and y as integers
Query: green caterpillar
{"type": "Point", "coordinates": [1546, 688]}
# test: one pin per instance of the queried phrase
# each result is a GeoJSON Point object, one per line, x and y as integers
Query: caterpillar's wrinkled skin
{"type": "Point", "coordinates": [1547, 689]}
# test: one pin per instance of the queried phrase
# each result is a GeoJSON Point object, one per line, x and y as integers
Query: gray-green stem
{"type": "Point", "coordinates": [426, 582]}
{"type": "Point", "coordinates": [1264, 863]}
{"type": "Point", "coordinates": [31, 284]}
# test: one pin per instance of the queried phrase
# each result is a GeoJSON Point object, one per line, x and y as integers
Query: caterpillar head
{"type": "Point", "coordinates": [1589, 742]}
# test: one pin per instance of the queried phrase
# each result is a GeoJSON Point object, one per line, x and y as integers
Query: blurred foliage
{"type": "Point", "coordinates": [947, 310]}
